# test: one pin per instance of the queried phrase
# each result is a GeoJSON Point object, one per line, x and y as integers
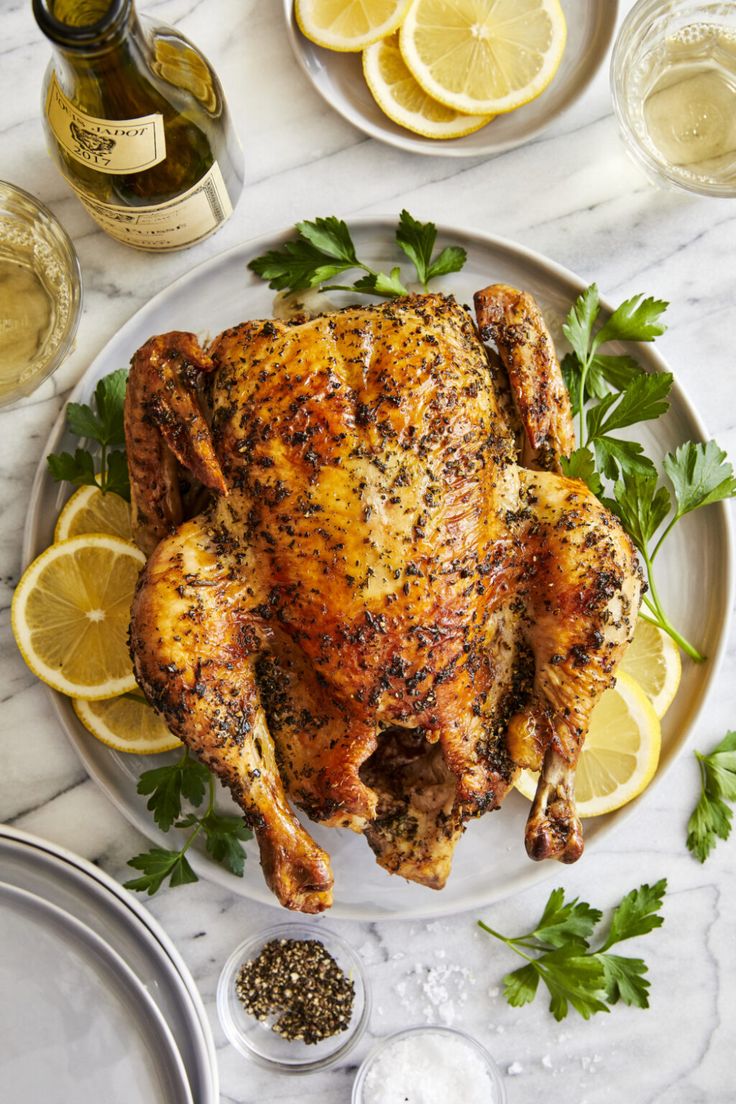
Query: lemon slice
{"type": "Point", "coordinates": [405, 102]}
{"type": "Point", "coordinates": [91, 511]}
{"type": "Point", "coordinates": [126, 723]}
{"type": "Point", "coordinates": [653, 659]}
{"type": "Point", "coordinates": [620, 753]}
{"type": "Point", "coordinates": [346, 25]}
{"type": "Point", "coordinates": [71, 614]}
{"type": "Point", "coordinates": [484, 57]}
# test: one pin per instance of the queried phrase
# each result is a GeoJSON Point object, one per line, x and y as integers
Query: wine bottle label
{"type": "Point", "coordinates": [109, 145]}
{"type": "Point", "coordinates": [182, 221]}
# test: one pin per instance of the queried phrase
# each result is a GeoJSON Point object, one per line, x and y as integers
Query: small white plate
{"type": "Point", "coordinates": [339, 80]}
{"type": "Point", "coordinates": [76, 1024]}
{"type": "Point", "coordinates": [490, 861]}
{"type": "Point", "coordinates": [85, 891]}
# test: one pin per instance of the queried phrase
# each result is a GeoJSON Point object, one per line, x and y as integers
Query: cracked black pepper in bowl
{"type": "Point", "coordinates": [298, 982]}
{"type": "Point", "coordinates": [294, 998]}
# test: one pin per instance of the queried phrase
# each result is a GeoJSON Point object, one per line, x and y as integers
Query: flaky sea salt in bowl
{"type": "Point", "coordinates": [428, 1065]}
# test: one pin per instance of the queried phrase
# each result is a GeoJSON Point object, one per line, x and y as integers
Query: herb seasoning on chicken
{"type": "Point", "coordinates": [299, 981]}
{"type": "Point", "coordinates": [394, 600]}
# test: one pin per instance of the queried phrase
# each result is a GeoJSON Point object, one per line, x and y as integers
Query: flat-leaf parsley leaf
{"type": "Point", "coordinates": [712, 818]}
{"type": "Point", "coordinates": [324, 250]}
{"type": "Point", "coordinates": [574, 974]}
{"type": "Point", "coordinates": [101, 422]}
{"type": "Point", "coordinates": [223, 834]}
{"type": "Point", "coordinates": [610, 393]}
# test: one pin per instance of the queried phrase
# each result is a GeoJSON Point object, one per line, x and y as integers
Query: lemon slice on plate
{"type": "Point", "coordinates": [653, 659]}
{"type": "Point", "coordinates": [91, 511]}
{"type": "Point", "coordinates": [484, 57]}
{"type": "Point", "coordinates": [346, 25]}
{"type": "Point", "coordinates": [126, 723]}
{"type": "Point", "coordinates": [71, 614]}
{"type": "Point", "coordinates": [620, 753]}
{"type": "Point", "coordinates": [405, 102]}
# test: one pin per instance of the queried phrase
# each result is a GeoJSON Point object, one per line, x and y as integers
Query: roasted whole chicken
{"type": "Point", "coordinates": [392, 600]}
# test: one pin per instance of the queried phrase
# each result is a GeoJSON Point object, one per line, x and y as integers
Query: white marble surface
{"type": "Point", "coordinates": [573, 195]}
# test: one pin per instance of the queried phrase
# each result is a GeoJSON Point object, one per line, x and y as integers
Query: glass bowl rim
{"type": "Point", "coordinates": [293, 930]}
{"type": "Point", "coordinates": [76, 298]}
{"type": "Point", "coordinates": [428, 1029]}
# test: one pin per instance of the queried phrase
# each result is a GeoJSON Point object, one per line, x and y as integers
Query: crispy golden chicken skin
{"type": "Point", "coordinates": [381, 615]}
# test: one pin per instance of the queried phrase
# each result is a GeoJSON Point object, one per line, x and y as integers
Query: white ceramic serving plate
{"type": "Point", "coordinates": [339, 80]}
{"type": "Point", "coordinates": [490, 861]}
{"type": "Point", "coordinates": [85, 891]}
{"type": "Point", "coordinates": [75, 1022]}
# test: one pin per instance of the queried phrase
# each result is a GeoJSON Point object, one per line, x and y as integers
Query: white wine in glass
{"type": "Point", "coordinates": [674, 85]}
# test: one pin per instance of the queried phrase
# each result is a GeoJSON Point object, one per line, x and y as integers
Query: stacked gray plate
{"type": "Point", "coordinates": [95, 1002]}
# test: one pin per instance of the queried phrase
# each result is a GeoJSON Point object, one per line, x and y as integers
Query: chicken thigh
{"type": "Point", "coordinates": [381, 614]}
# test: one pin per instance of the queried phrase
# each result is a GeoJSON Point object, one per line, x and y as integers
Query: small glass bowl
{"type": "Point", "coordinates": [31, 237]}
{"type": "Point", "coordinates": [256, 1040]}
{"type": "Point", "coordinates": [640, 57]}
{"type": "Point", "coordinates": [498, 1091]}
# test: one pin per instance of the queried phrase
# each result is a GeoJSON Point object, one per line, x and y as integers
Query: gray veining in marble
{"type": "Point", "coordinates": [573, 195]}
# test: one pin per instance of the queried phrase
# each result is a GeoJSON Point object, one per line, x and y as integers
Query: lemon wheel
{"type": "Point", "coordinates": [653, 659]}
{"type": "Point", "coordinates": [620, 753]}
{"type": "Point", "coordinates": [348, 25]}
{"type": "Point", "coordinates": [71, 614]}
{"type": "Point", "coordinates": [126, 723]}
{"type": "Point", "coordinates": [91, 511]}
{"type": "Point", "coordinates": [405, 102]}
{"type": "Point", "coordinates": [484, 57]}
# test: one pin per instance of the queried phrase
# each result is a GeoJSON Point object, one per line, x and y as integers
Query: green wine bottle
{"type": "Point", "coordinates": [136, 121]}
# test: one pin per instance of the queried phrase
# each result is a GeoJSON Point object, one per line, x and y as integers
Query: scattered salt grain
{"type": "Point", "coordinates": [428, 1068]}
{"type": "Point", "coordinates": [515, 1069]}
{"type": "Point", "coordinates": [438, 991]}
{"type": "Point", "coordinates": [547, 1061]}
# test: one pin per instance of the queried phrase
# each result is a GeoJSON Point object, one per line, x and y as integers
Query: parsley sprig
{"type": "Point", "coordinates": [166, 787]}
{"type": "Point", "coordinates": [712, 818]}
{"type": "Point", "coordinates": [610, 393]}
{"type": "Point", "coordinates": [417, 240]}
{"type": "Point", "coordinates": [101, 422]}
{"type": "Point", "coordinates": [324, 250]}
{"type": "Point", "coordinates": [558, 953]}
{"type": "Point", "coordinates": [591, 373]}
{"type": "Point", "coordinates": [700, 474]}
